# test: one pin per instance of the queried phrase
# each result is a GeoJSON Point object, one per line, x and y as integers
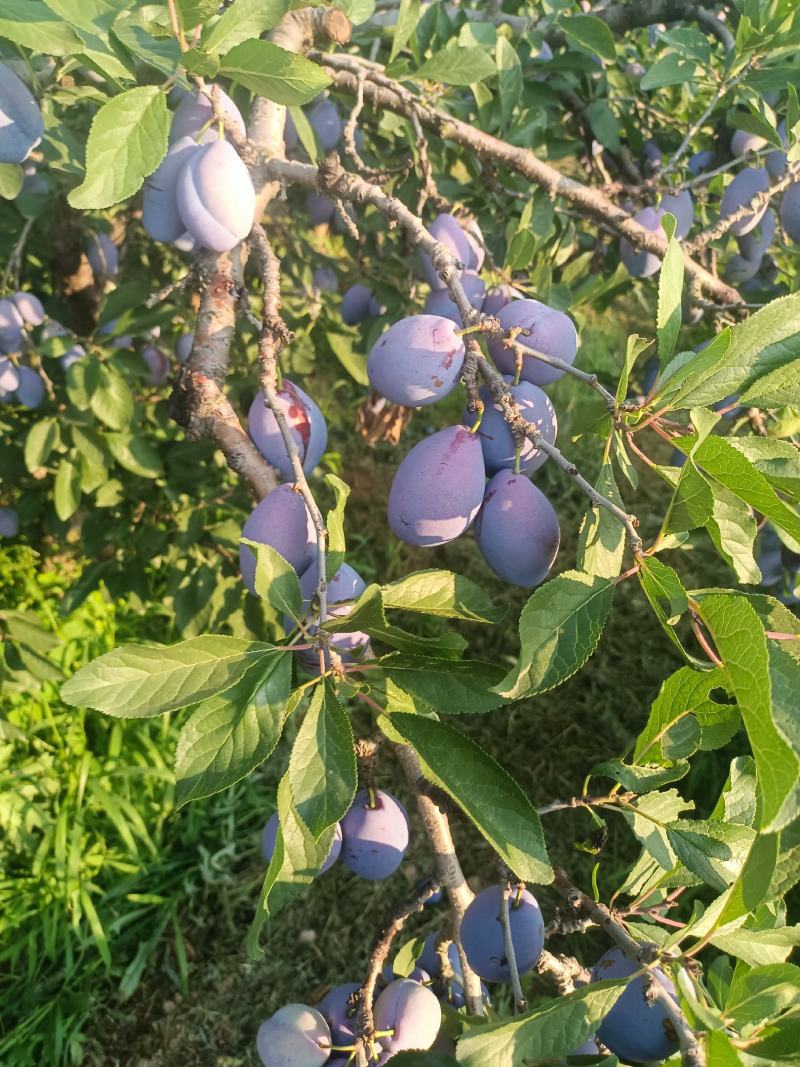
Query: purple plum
{"type": "Point", "coordinates": [701, 161]}
{"type": "Point", "coordinates": [653, 154]}
{"type": "Point", "coordinates": [550, 331]}
{"type": "Point", "coordinates": [477, 244]}
{"type": "Point", "coordinates": [410, 1012]}
{"type": "Point", "coordinates": [103, 256]}
{"type": "Point", "coordinates": [744, 141]}
{"type": "Point", "coordinates": [320, 209]}
{"type": "Point", "coordinates": [517, 530]}
{"type": "Point", "coordinates": [335, 1007]}
{"type": "Point", "coordinates": [496, 438]}
{"type": "Point", "coordinates": [448, 231]}
{"type": "Point", "coordinates": [9, 376]}
{"type": "Point", "coordinates": [777, 160]}
{"type": "Point", "coordinates": [31, 389]}
{"type": "Point", "coordinates": [216, 198]}
{"type": "Point", "coordinates": [642, 264]}
{"type": "Point", "coordinates": [196, 111]}
{"type": "Point", "coordinates": [438, 488]}
{"type": "Point", "coordinates": [374, 835]}
{"type": "Point", "coordinates": [72, 355]}
{"type": "Point", "coordinates": [346, 585]}
{"type": "Point", "coordinates": [748, 183]}
{"type": "Point", "coordinates": [295, 1036]}
{"type": "Point", "coordinates": [439, 303]}
{"type": "Point", "coordinates": [754, 244]}
{"type": "Point", "coordinates": [417, 361]}
{"type": "Point", "coordinates": [326, 121]}
{"type": "Point", "coordinates": [157, 365]}
{"type": "Point", "coordinates": [30, 308]}
{"type": "Point", "coordinates": [11, 326]}
{"type": "Point", "coordinates": [790, 213]}
{"type": "Point", "coordinates": [20, 118]}
{"type": "Point", "coordinates": [637, 1028]}
{"type": "Point", "coordinates": [280, 520]}
{"type": "Point", "coordinates": [160, 215]}
{"type": "Point", "coordinates": [325, 280]}
{"type": "Point", "coordinates": [681, 206]}
{"type": "Point", "coordinates": [359, 303]}
{"type": "Point", "coordinates": [9, 522]}
{"type": "Point", "coordinates": [306, 426]}
{"type": "Point", "coordinates": [482, 933]}
{"type": "Point", "coordinates": [183, 347]}
{"type": "Point", "coordinates": [269, 836]}
{"type": "Point", "coordinates": [498, 297]}
{"type": "Point", "coordinates": [740, 269]}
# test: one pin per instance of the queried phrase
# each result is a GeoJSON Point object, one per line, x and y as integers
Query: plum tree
{"type": "Point", "coordinates": [103, 256]}
{"type": "Point", "coordinates": [482, 933]}
{"type": "Point", "coordinates": [160, 215]}
{"type": "Point", "coordinates": [640, 263]}
{"type": "Point", "coordinates": [637, 1027]}
{"type": "Point", "coordinates": [359, 303]}
{"type": "Point", "coordinates": [157, 365]}
{"type": "Point", "coordinates": [790, 212]}
{"type": "Point", "coordinates": [31, 389]}
{"type": "Point", "coordinates": [549, 331]}
{"type": "Point", "coordinates": [215, 196]}
{"type": "Point", "coordinates": [346, 585]}
{"type": "Point", "coordinates": [438, 301]}
{"type": "Point", "coordinates": [194, 115]}
{"type": "Point", "coordinates": [306, 426]}
{"type": "Point", "coordinates": [438, 488]}
{"type": "Point", "coordinates": [448, 231]}
{"type": "Point", "coordinates": [295, 1036]}
{"type": "Point", "coordinates": [282, 521]}
{"type": "Point", "coordinates": [9, 522]}
{"type": "Point", "coordinates": [374, 835]}
{"type": "Point", "coordinates": [269, 835]}
{"type": "Point", "coordinates": [327, 123]}
{"type": "Point", "coordinates": [747, 184]}
{"type": "Point", "coordinates": [417, 361]}
{"type": "Point", "coordinates": [407, 1016]}
{"type": "Point", "coordinates": [11, 325]}
{"type": "Point", "coordinates": [494, 433]}
{"type": "Point", "coordinates": [20, 118]}
{"type": "Point", "coordinates": [517, 530]}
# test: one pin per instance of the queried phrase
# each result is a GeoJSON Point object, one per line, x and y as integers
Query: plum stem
{"type": "Point", "coordinates": [506, 890]}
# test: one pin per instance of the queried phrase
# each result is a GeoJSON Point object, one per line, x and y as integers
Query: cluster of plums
{"type": "Point", "coordinates": [201, 195]}
{"type": "Point", "coordinates": [19, 383]}
{"type": "Point", "coordinates": [20, 118]}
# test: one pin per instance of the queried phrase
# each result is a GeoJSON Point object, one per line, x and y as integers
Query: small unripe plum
{"type": "Point", "coordinates": [326, 121]}
{"type": "Point", "coordinates": [413, 1014]}
{"type": "Point", "coordinates": [346, 585]}
{"type": "Point", "coordinates": [306, 426]}
{"type": "Point", "coordinates": [359, 303]}
{"type": "Point", "coordinates": [324, 279]}
{"type": "Point", "coordinates": [374, 836]}
{"type": "Point", "coordinates": [438, 488]}
{"type": "Point", "coordinates": [636, 1028]}
{"type": "Point", "coordinates": [196, 111]}
{"type": "Point", "coordinates": [482, 933]}
{"type": "Point", "coordinates": [744, 141]}
{"type": "Point", "coordinates": [295, 1036]}
{"type": "Point", "coordinates": [183, 347]}
{"type": "Point", "coordinates": [753, 245]}
{"type": "Point", "coordinates": [269, 836]}
{"type": "Point", "coordinates": [498, 297]}
{"type": "Point", "coordinates": [157, 364]}
{"type": "Point", "coordinates": [280, 520]}
{"type": "Point", "coordinates": [417, 361]}
{"type": "Point", "coordinates": [701, 161]}
{"type": "Point", "coordinates": [103, 256]}
{"type": "Point", "coordinates": [30, 308]}
{"type": "Point", "coordinates": [9, 375]}
{"type": "Point", "coordinates": [448, 231]}
{"type": "Point", "coordinates": [790, 212]}
{"type": "Point", "coordinates": [20, 118]}
{"type": "Point", "coordinates": [336, 1010]}
{"type": "Point", "coordinates": [517, 530]}
{"type": "Point", "coordinates": [747, 184]}
{"type": "Point", "coordinates": [551, 332]}
{"type": "Point", "coordinates": [9, 522]}
{"type": "Point", "coordinates": [320, 209]}
{"type": "Point", "coordinates": [216, 198]}
{"type": "Point", "coordinates": [642, 264]}
{"type": "Point", "coordinates": [160, 215]}
{"type": "Point", "coordinates": [439, 303]}
{"type": "Point", "coordinates": [497, 441]}
{"type": "Point", "coordinates": [681, 206]}
{"type": "Point", "coordinates": [11, 324]}
{"type": "Point", "coordinates": [31, 389]}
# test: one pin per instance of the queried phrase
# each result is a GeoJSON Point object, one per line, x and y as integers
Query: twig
{"type": "Point", "coordinates": [176, 26]}
{"type": "Point", "coordinates": [563, 970]}
{"type": "Point", "coordinates": [171, 287]}
{"type": "Point", "coordinates": [14, 262]}
{"type": "Point", "coordinates": [725, 86]}
{"type": "Point", "coordinates": [520, 1001]}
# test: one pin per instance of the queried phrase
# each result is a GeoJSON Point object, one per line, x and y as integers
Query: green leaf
{"type": "Point", "coordinates": [509, 77]}
{"type": "Point", "coordinates": [752, 885]}
{"type": "Point", "coordinates": [669, 70]}
{"type": "Point", "coordinates": [682, 374]}
{"type": "Point", "coordinates": [759, 947]}
{"type": "Point", "coordinates": [322, 767]}
{"type": "Point", "coordinates": [592, 33]}
{"type": "Point", "coordinates": [633, 349]}
{"type": "Point", "coordinates": [601, 541]}
{"type": "Point", "coordinates": [42, 438]}
{"type": "Point", "coordinates": [134, 454]}
{"type": "Point", "coordinates": [650, 816]}
{"type": "Point", "coordinates": [484, 790]}
{"type": "Point", "coordinates": [358, 11]}
{"type": "Point", "coordinates": [201, 63]}
{"type": "Point", "coordinates": [31, 24]}
{"type": "Point", "coordinates": [67, 489]}
{"type": "Point", "coordinates": [276, 580]}
{"type": "Point", "coordinates": [195, 12]}
{"type": "Point", "coordinates": [662, 587]}
{"type": "Point", "coordinates": [334, 523]}
{"type": "Point", "coordinates": [342, 345]}
{"type": "Point", "coordinates": [231, 734]}
{"type": "Point", "coordinates": [455, 66]}
{"type": "Point", "coordinates": [779, 388]}
{"type": "Point", "coordinates": [294, 865]}
{"type": "Point", "coordinates": [784, 673]}
{"type": "Point", "coordinates": [241, 21]}
{"type": "Point", "coordinates": [109, 395]}
{"type": "Point", "coordinates": [733, 530]}
{"type": "Point", "coordinates": [778, 461]}
{"type": "Point", "coordinates": [127, 141]}
{"type": "Point", "coordinates": [559, 629]}
{"type": "Point", "coordinates": [442, 593]}
{"type": "Point", "coordinates": [407, 19]}
{"type": "Point", "coordinates": [95, 16]}
{"type": "Point", "coordinates": [762, 993]}
{"type": "Point", "coordinates": [686, 693]}
{"type": "Point", "coordinates": [642, 778]}
{"type": "Point", "coordinates": [458, 687]}
{"type": "Point", "coordinates": [670, 290]}
{"type": "Point", "coordinates": [267, 70]}
{"type": "Point", "coordinates": [551, 1031]}
{"type": "Point", "coordinates": [11, 178]}
{"type": "Point", "coordinates": [138, 681]}
{"type": "Point", "coordinates": [714, 851]}
{"type": "Point", "coordinates": [739, 637]}
{"type": "Point", "coordinates": [754, 123]}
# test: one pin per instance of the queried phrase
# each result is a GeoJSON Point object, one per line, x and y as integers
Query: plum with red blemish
{"type": "Point", "coordinates": [637, 1028]}
{"type": "Point", "coordinates": [440, 303]}
{"type": "Point", "coordinates": [517, 530]}
{"type": "Point", "coordinates": [417, 361]}
{"type": "Point", "coordinates": [497, 441]}
{"type": "Point", "coordinates": [438, 488]}
{"type": "Point", "coordinates": [306, 426]}
{"type": "Point", "coordinates": [548, 331]}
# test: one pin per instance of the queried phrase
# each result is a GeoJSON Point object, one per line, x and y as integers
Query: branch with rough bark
{"type": "Point", "coordinates": [759, 201]}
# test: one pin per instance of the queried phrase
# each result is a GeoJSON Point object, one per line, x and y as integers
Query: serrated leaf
{"type": "Point", "coordinates": [334, 523]}
{"type": "Point", "coordinates": [670, 290]}
{"type": "Point", "coordinates": [42, 438]}
{"type": "Point", "coordinates": [509, 77]}
{"type": "Point", "coordinates": [137, 681]}
{"type": "Point", "coordinates": [592, 33]}
{"type": "Point", "coordinates": [134, 454]}
{"type": "Point", "coordinates": [267, 70]}
{"type": "Point", "coordinates": [685, 693]}
{"type": "Point", "coordinates": [67, 489]}
{"type": "Point", "coordinates": [779, 388]}
{"type": "Point", "coordinates": [559, 629]}
{"type": "Point", "coordinates": [759, 947]}
{"type": "Point", "coordinates": [761, 994]}
{"type": "Point", "coordinates": [242, 20]}
{"type": "Point", "coordinates": [31, 24]}
{"type": "Point", "coordinates": [601, 541]}
{"type": "Point", "coordinates": [194, 12]}
{"type": "Point", "coordinates": [642, 778]}
{"type": "Point", "coordinates": [322, 766]}
{"type": "Point", "coordinates": [342, 345]}
{"type": "Point", "coordinates": [276, 580]}
{"type": "Point", "coordinates": [457, 687]}
{"type": "Point", "coordinates": [778, 461]}
{"type": "Point", "coordinates": [681, 375]}
{"type": "Point", "coordinates": [550, 1031]}
{"type": "Point", "coordinates": [127, 141]}
{"type": "Point", "coordinates": [407, 19]}
{"type": "Point", "coordinates": [669, 70]}
{"type": "Point", "coordinates": [442, 593]}
{"type": "Point", "coordinates": [484, 790]}
{"type": "Point", "coordinates": [358, 11]}
{"type": "Point", "coordinates": [714, 851]}
{"type": "Point", "coordinates": [231, 734]}
{"type": "Point", "coordinates": [634, 347]}
{"type": "Point", "coordinates": [754, 123]}
{"type": "Point", "coordinates": [733, 530]}
{"type": "Point", "coordinates": [110, 397]}
{"type": "Point", "coordinates": [455, 66]}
